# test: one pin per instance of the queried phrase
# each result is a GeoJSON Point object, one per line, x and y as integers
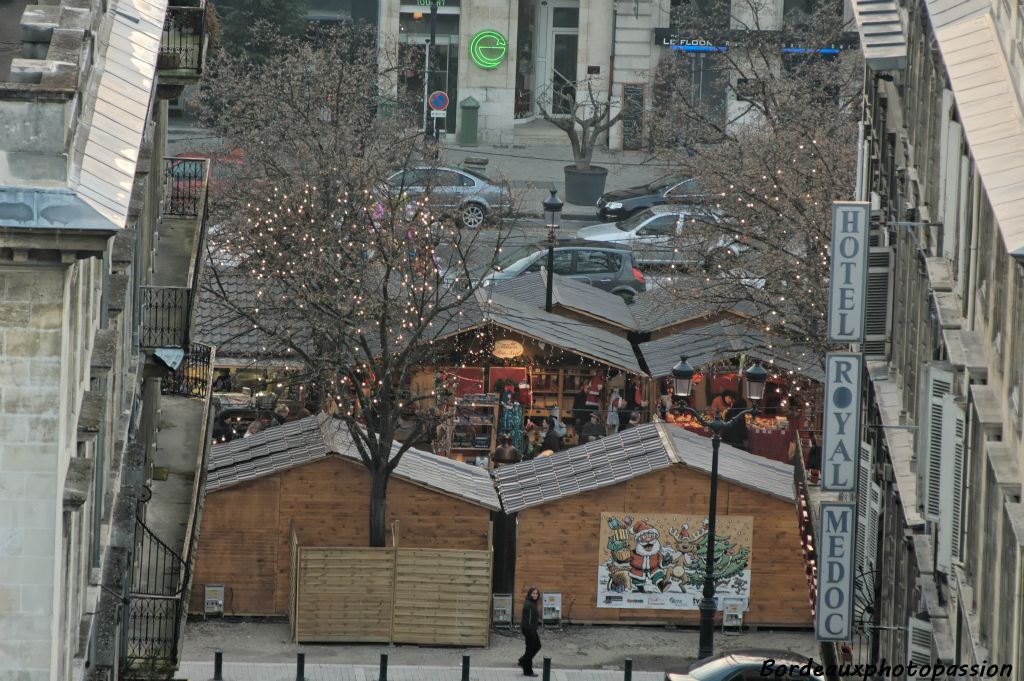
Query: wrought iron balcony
{"type": "Point", "coordinates": [184, 42]}
{"type": "Point", "coordinates": [166, 314]}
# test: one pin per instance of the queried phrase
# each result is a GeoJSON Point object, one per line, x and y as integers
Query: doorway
{"type": "Point", "coordinates": [427, 70]}
{"type": "Point", "coordinates": [555, 28]}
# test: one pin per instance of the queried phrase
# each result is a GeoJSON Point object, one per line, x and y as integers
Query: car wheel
{"type": "Point", "coordinates": [626, 294]}
{"type": "Point", "coordinates": [473, 215]}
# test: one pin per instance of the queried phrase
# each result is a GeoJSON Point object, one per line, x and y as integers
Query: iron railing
{"type": "Point", "coordinates": [184, 182]}
{"type": "Point", "coordinates": [166, 313]}
{"type": "Point", "coordinates": [192, 378]}
{"type": "Point", "coordinates": [155, 604]}
{"type": "Point", "coordinates": [181, 47]}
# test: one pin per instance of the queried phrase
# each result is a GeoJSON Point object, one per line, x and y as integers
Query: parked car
{"type": "Point", "coordinates": [622, 203]}
{"type": "Point", "coordinates": [746, 664]}
{"type": "Point", "coordinates": [654, 234]}
{"type": "Point", "coordinates": [467, 193]}
{"type": "Point", "coordinates": [606, 266]}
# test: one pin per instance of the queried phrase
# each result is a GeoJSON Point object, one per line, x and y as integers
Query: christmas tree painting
{"type": "Point", "coordinates": [730, 560]}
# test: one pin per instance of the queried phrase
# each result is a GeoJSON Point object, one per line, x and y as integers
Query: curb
{"type": "Point", "coordinates": [565, 216]}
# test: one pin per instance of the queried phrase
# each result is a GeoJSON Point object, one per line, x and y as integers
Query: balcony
{"type": "Point", "coordinates": [183, 45]}
{"type": "Point", "coordinates": [168, 302]}
{"type": "Point", "coordinates": [167, 526]}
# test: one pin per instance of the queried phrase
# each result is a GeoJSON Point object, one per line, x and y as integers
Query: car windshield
{"type": "Point", "coordinates": [514, 259]}
{"type": "Point", "coordinates": [631, 223]}
{"type": "Point", "coordinates": [713, 669]}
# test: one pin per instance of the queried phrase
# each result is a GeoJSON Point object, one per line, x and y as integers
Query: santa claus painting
{"type": "Point", "coordinates": [650, 559]}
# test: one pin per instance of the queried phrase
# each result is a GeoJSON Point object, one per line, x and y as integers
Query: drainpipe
{"type": "Point", "coordinates": [611, 70]}
{"type": "Point", "coordinates": [972, 294]}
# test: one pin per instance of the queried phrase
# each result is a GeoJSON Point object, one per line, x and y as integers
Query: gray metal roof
{"type": "Point", "coordinates": [630, 454]}
{"type": "Point", "coordinates": [726, 339]}
{"type": "Point", "coordinates": [656, 309]}
{"type": "Point", "coordinates": [883, 38]}
{"type": "Point", "coordinates": [315, 437]}
{"type": "Point", "coordinates": [570, 294]}
{"type": "Point", "coordinates": [275, 449]}
{"type": "Point", "coordinates": [439, 473]}
{"type": "Point", "coordinates": [490, 307]}
{"type": "Point", "coordinates": [990, 112]}
{"type": "Point", "coordinates": [123, 98]}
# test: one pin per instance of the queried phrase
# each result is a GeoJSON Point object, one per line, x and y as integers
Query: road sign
{"type": "Point", "coordinates": [438, 114]}
{"type": "Point", "coordinates": [438, 100]}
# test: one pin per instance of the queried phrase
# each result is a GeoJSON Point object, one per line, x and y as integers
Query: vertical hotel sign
{"type": "Point", "coordinates": [841, 428]}
{"type": "Point", "coordinates": [833, 613]}
{"type": "Point", "coordinates": [847, 292]}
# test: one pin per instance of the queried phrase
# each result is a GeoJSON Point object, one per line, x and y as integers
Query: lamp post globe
{"type": "Point", "coordinates": [682, 377]}
{"type": "Point", "coordinates": [757, 379]}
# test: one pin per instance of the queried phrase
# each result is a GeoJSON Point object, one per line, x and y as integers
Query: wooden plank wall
{"type": "Point", "coordinates": [426, 596]}
{"type": "Point", "coordinates": [442, 597]}
{"type": "Point", "coordinates": [245, 540]}
{"type": "Point", "coordinates": [340, 598]}
{"type": "Point", "coordinates": [557, 547]}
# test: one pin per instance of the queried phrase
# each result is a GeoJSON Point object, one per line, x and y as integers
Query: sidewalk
{"type": "Point", "coordinates": [203, 671]}
{"type": "Point", "coordinates": [534, 170]}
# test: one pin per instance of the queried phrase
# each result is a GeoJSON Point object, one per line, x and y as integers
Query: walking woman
{"type": "Point", "coordinates": [529, 623]}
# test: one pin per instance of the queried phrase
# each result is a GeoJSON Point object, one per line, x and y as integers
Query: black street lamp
{"type": "Point", "coordinates": [756, 378]}
{"type": "Point", "coordinates": [552, 216]}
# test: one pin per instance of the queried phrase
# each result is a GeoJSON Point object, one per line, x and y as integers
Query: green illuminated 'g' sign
{"type": "Point", "coordinates": [487, 49]}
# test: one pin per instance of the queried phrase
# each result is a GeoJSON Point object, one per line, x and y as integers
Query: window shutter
{"type": "Point", "coordinates": [938, 382]}
{"type": "Point", "coordinates": [919, 641]}
{"type": "Point", "coordinates": [878, 313]}
{"type": "Point", "coordinates": [951, 516]}
{"type": "Point", "coordinates": [864, 547]}
{"type": "Point", "coordinates": [951, 189]}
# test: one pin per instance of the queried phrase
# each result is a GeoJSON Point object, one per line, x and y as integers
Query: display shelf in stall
{"type": "Point", "coordinates": [474, 427]}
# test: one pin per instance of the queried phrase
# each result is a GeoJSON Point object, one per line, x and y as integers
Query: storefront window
{"type": "Point", "coordinates": [419, 78]}
{"type": "Point", "coordinates": [565, 17]}
{"type": "Point", "coordinates": [524, 59]}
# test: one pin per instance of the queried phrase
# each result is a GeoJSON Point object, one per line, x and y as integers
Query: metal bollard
{"type": "Point", "coordinates": [383, 667]}
{"type": "Point", "coordinates": [465, 668]}
{"type": "Point", "coordinates": [547, 669]}
{"type": "Point", "coordinates": [628, 676]}
{"type": "Point", "coordinates": [218, 666]}
{"type": "Point", "coordinates": [300, 666]}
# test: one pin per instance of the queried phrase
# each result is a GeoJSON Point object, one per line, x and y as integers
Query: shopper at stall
{"type": "Point", "coordinates": [551, 442]}
{"type": "Point", "coordinates": [722, 403]}
{"type": "Point", "coordinates": [632, 422]}
{"type": "Point", "coordinates": [529, 623]}
{"type": "Point", "coordinates": [592, 430]}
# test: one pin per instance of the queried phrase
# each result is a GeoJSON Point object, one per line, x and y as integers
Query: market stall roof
{"type": "Point", "coordinates": [631, 454]}
{"type": "Point", "coordinates": [316, 437]}
{"type": "Point", "coordinates": [726, 339]}
{"type": "Point", "coordinates": [654, 309]}
{"type": "Point", "coordinates": [570, 294]}
{"type": "Point", "coordinates": [488, 307]}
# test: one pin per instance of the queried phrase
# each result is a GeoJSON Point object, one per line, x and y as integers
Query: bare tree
{"type": "Point", "coordinates": [771, 153]}
{"type": "Point", "coordinates": [578, 109]}
{"type": "Point", "coordinates": [343, 269]}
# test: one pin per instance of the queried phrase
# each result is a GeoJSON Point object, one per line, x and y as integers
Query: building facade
{"type": "Point", "coordinates": [99, 243]}
{"type": "Point", "coordinates": [942, 451]}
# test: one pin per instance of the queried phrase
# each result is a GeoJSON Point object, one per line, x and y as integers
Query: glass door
{"type": "Point", "coordinates": [563, 73]}
{"type": "Point", "coordinates": [424, 72]}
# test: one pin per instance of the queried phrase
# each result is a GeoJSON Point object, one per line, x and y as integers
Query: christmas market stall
{"type": "Point", "coordinates": [721, 350]}
{"type": "Point", "coordinates": [506, 366]}
{"type": "Point", "coordinates": [615, 531]}
{"type": "Point", "coordinates": [285, 532]}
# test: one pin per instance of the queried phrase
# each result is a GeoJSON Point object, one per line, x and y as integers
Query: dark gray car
{"type": "Point", "coordinates": [606, 266]}
{"type": "Point", "coordinates": [743, 665]}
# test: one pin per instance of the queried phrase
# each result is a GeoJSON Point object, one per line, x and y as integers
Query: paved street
{"type": "Point", "coordinates": [203, 671]}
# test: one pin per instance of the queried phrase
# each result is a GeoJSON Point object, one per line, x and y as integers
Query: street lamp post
{"type": "Point", "coordinates": [552, 216]}
{"type": "Point", "coordinates": [756, 378]}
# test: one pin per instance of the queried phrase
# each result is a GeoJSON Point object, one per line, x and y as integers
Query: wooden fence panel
{"type": "Point", "coordinates": [344, 594]}
{"type": "Point", "coordinates": [442, 597]}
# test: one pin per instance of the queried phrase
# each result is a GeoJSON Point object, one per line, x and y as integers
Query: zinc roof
{"type": "Point", "coordinates": [990, 112]}
{"type": "Point", "coordinates": [570, 294]}
{"type": "Point", "coordinates": [631, 454]}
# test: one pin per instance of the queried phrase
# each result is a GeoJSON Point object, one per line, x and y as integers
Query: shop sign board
{"type": "Point", "coordinates": [833, 613]}
{"type": "Point", "coordinates": [487, 49]}
{"type": "Point", "coordinates": [841, 430]}
{"type": "Point", "coordinates": [655, 561]}
{"type": "Point", "coordinates": [507, 349]}
{"type": "Point", "coordinates": [848, 285]}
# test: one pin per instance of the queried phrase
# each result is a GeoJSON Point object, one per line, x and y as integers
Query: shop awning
{"type": "Point", "coordinates": [630, 454]}
{"type": "Point", "coordinates": [580, 338]}
{"type": "Point", "coordinates": [723, 340]}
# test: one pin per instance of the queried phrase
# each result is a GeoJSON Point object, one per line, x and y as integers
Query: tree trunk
{"type": "Point", "coordinates": [378, 508]}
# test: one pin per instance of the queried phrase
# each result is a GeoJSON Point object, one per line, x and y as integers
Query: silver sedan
{"type": "Point", "coordinates": [468, 194]}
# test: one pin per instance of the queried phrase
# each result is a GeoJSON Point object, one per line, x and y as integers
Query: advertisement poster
{"type": "Point", "coordinates": [657, 561]}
